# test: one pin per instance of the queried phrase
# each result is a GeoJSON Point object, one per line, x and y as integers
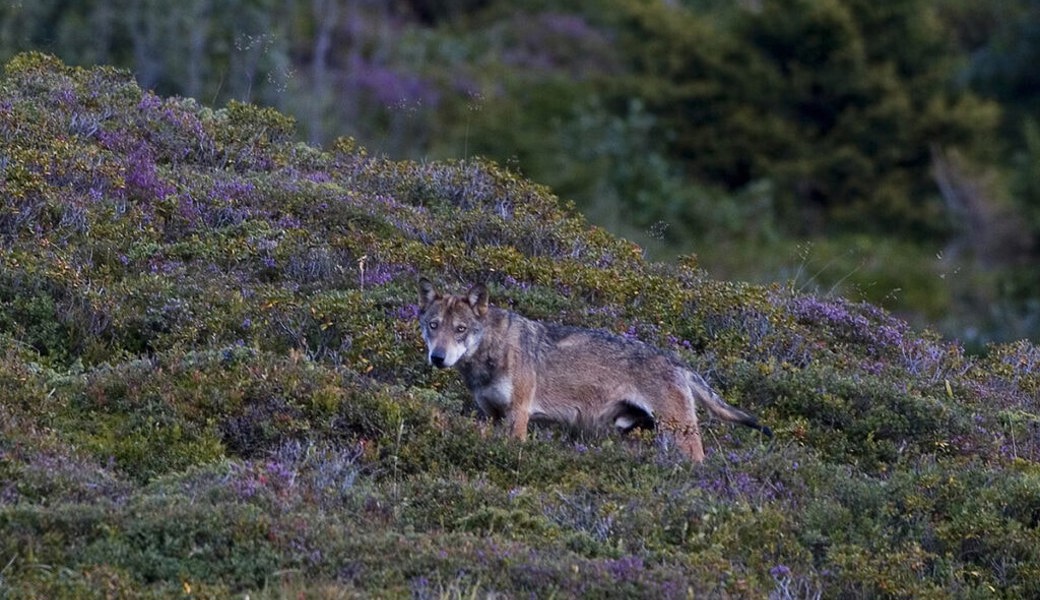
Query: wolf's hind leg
{"type": "Point", "coordinates": [691, 445]}
{"type": "Point", "coordinates": [679, 417]}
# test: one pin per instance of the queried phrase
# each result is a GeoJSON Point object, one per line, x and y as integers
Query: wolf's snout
{"type": "Point", "coordinates": [437, 358]}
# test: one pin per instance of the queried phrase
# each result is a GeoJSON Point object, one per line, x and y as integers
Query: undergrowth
{"type": "Point", "coordinates": [214, 384]}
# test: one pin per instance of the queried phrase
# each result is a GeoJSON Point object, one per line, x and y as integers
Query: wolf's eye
{"type": "Point", "coordinates": [460, 329]}
{"type": "Point", "coordinates": [434, 324]}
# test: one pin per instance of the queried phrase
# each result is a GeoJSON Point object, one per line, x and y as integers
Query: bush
{"type": "Point", "coordinates": [214, 384]}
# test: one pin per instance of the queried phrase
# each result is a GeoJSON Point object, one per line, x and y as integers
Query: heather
{"type": "Point", "coordinates": [886, 152]}
{"type": "Point", "coordinates": [213, 385]}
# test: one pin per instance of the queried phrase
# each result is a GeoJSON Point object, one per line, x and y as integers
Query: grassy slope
{"type": "Point", "coordinates": [212, 383]}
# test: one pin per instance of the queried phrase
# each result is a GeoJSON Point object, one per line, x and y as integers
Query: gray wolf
{"type": "Point", "coordinates": [521, 370]}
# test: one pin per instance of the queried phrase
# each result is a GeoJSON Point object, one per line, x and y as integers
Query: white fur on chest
{"type": "Point", "coordinates": [496, 398]}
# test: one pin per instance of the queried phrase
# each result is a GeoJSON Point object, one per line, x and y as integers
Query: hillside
{"type": "Point", "coordinates": [213, 384]}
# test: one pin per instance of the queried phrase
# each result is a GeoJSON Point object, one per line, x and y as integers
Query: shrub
{"type": "Point", "coordinates": [214, 384]}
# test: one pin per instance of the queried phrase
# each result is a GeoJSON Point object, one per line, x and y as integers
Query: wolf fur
{"type": "Point", "coordinates": [521, 370]}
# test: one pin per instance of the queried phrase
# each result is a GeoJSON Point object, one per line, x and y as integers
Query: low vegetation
{"type": "Point", "coordinates": [885, 152]}
{"type": "Point", "coordinates": [213, 384]}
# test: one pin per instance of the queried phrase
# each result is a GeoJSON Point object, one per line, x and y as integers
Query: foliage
{"type": "Point", "coordinates": [213, 385]}
{"type": "Point", "coordinates": [734, 130]}
{"type": "Point", "coordinates": [837, 102]}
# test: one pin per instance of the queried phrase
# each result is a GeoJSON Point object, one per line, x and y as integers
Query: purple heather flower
{"type": "Point", "coordinates": [379, 275]}
{"type": "Point", "coordinates": [626, 568]}
{"type": "Point", "coordinates": [513, 282]}
{"type": "Point", "coordinates": [64, 96]}
{"type": "Point", "coordinates": [142, 178]}
{"type": "Point", "coordinates": [408, 312]}
{"type": "Point", "coordinates": [149, 101]}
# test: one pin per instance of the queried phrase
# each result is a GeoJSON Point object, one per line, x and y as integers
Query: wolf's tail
{"type": "Point", "coordinates": [707, 397]}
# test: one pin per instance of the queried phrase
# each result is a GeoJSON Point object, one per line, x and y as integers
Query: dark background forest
{"type": "Point", "coordinates": [883, 151]}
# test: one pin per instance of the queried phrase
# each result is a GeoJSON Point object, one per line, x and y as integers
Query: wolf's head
{"type": "Point", "coordinates": [451, 325]}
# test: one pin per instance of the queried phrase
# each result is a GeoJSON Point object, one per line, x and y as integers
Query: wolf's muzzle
{"type": "Point", "coordinates": [437, 358]}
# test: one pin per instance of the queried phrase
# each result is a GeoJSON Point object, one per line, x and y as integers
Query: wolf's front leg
{"type": "Point", "coordinates": [520, 402]}
{"type": "Point", "coordinates": [518, 424]}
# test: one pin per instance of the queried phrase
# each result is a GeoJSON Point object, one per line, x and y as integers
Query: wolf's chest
{"type": "Point", "coordinates": [495, 398]}
{"type": "Point", "coordinates": [479, 373]}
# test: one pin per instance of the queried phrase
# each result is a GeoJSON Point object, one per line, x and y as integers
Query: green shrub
{"type": "Point", "coordinates": [214, 383]}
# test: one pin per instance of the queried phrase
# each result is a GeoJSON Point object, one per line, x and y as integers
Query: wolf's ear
{"type": "Point", "coordinates": [426, 292]}
{"type": "Point", "coordinates": [478, 299]}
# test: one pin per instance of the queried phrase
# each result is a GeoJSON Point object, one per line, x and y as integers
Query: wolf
{"type": "Point", "coordinates": [520, 371]}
